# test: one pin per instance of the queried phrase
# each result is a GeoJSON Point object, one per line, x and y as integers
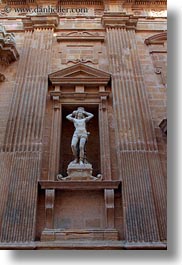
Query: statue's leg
{"type": "Point", "coordinates": [82, 149]}
{"type": "Point", "coordinates": [85, 153]}
{"type": "Point", "coordinates": [74, 143]}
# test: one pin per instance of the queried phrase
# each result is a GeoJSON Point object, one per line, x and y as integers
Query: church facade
{"type": "Point", "coordinates": [107, 58]}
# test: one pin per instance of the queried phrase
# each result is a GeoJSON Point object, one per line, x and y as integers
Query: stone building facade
{"type": "Point", "coordinates": [110, 57]}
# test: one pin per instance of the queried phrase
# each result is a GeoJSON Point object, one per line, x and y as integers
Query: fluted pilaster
{"type": "Point", "coordinates": [21, 153]}
{"type": "Point", "coordinates": [139, 166]}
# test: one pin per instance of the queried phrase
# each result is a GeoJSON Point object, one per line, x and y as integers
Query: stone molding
{"type": "Point", "coordinates": [80, 36]}
{"type": "Point", "coordinates": [85, 245]}
{"type": "Point", "coordinates": [40, 21]}
{"type": "Point", "coordinates": [79, 74]}
{"type": "Point", "coordinates": [81, 185]}
{"type": "Point", "coordinates": [120, 20]}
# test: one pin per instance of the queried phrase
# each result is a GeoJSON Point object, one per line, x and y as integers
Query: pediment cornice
{"type": "Point", "coordinates": [79, 74]}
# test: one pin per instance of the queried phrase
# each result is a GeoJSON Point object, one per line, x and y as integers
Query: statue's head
{"type": "Point", "coordinates": [80, 113]}
{"type": "Point", "coordinates": [80, 109]}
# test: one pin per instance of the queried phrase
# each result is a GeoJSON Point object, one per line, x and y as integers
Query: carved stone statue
{"type": "Point", "coordinates": [79, 118]}
{"type": "Point", "coordinates": [79, 169]}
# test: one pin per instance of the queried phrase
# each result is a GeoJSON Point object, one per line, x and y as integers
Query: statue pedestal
{"type": "Point", "coordinates": [79, 172]}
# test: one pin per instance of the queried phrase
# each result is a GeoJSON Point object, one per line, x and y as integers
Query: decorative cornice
{"type": "Point", "coordinates": [8, 51]}
{"type": "Point", "coordinates": [40, 21]}
{"type": "Point", "coordinates": [119, 19]}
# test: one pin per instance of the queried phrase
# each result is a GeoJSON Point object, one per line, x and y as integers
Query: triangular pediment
{"type": "Point", "coordinates": [79, 74]}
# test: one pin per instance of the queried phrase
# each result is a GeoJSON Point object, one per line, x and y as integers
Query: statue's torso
{"type": "Point", "coordinates": [80, 126]}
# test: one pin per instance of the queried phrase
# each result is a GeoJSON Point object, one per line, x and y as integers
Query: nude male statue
{"type": "Point", "coordinates": [79, 118]}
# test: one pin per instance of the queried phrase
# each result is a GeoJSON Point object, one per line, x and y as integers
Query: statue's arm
{"type": "Point", "coordinates": [69, 117]}
{"type": "Point", "coordinates": [89, 116]}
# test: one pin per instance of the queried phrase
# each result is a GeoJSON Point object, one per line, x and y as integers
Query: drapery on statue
{"type": "Point", "coordinates": [79, 118]}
